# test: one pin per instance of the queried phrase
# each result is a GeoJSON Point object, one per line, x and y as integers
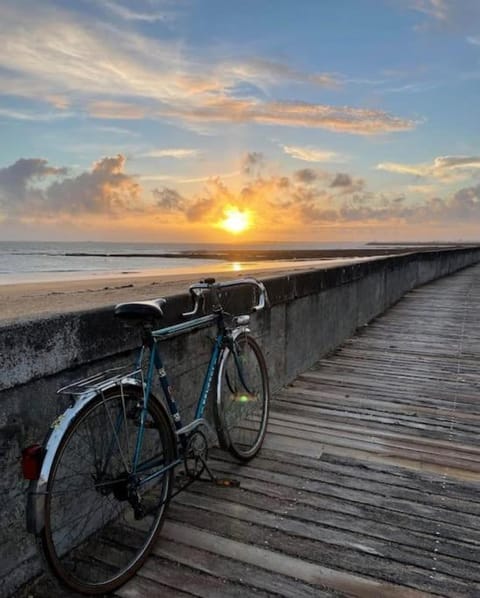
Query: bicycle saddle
{"type": "Point", "coordinates": [140, 310]}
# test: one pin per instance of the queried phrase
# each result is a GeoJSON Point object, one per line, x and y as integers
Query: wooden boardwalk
{"type": "Point", "coordinates": [369, 482]}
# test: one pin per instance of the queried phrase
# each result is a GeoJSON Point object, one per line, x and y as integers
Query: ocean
{"type": "Point", "coordinates": [26, 262]}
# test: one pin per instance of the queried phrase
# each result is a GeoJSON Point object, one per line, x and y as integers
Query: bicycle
{"type": "Point", "coordinates": [101, 481]}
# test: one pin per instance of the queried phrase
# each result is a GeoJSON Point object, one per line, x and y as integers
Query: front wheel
{"type": "Point", "coordinates": [242, 403]}
{"type": "Point", "coordinates": [102, 513]}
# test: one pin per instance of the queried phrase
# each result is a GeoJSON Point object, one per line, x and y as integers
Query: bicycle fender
{"type": "Point", "coordinates": [37, 490]}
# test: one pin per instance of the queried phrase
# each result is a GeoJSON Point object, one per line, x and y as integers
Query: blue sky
{"type": "Point", "coordinates": [314, 120]}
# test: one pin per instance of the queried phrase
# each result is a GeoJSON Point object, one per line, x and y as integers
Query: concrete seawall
{"type": "Point", "coordinates": [311, 314]}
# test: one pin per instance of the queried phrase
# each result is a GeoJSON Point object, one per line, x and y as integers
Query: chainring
{"type": "Point", "coordinates": [196, 454]}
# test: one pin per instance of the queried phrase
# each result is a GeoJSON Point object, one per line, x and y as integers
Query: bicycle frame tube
{"type": "Point", "coordinates": [239, 369]}
{"type": "Point", "coordinates": [202, 401]}
{"type": "Point", "coordinates": [146, 396]}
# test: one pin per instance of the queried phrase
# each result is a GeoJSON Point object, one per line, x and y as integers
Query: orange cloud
{"type": "Point", "coordinates": [300, 201]}
{"type": "Point", "coordinates": [297, 114]}
{"type": "Point", "coordinates": [110, 109]}
{"type": "Point", "coordinates": [97, 67]}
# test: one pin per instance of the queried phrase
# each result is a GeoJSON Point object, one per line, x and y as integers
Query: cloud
{"type": "Point", "coordinates": [342, 180]}
{"type": "Point", "coordinates": [447, 162]}
{"type": "Point", "coordinates": [443, 167]}
{"type": "Point", "coordinates": [422, 189]}
{"type": "Point", "coordinates": [311, 154]}
{"type": "Point", "coordinates": [130, 15]}
{"type": "Point", "coordinates": [25, 170]}
{"type": "Point", "coordinates": [417, 87]}
{"type": "Point", "coordinates": [259, 70]}
{"type": "Point", "coordinates": [58, 101]}
{"type": "Point", "coordinates": [403, 168]}
{"type": "Point", "coordinates": [16, 181]}
{"type": "Point", "coordinates": [33, 190]}
{"type": "Point", "coordinates": [34, 116]}
{"type": "Point", "coordinates": [109, 109]}
{"type": "Point", "coordinates": [116, 73]}
{"type": "Point", "coordinates": [306, 197]}
{"type": "Point", "coordinates": [295, 114]}
{"type": "Point", "coordinates": [344, 183]}
{"type": "Point", "coordinates": [180, 180]}
{"type": "Point", "coordinates": [437, 9]}
{"type": "Point", "coordinates": [252, 163]}
{"type": "Point", "coordinates": [61, 54]}
{"type": "Point", "coordinates": [174, 152]}
{"type": "Point", "coordinates": [310, 198]}
{"type": "Point", "coordinates": [168, 199]}
{"type": "Point", "coordinates": [453, 14]}
{"type": "Point", "coordinates": [217, 109]}
{"type": "Point", "coordinates": [104, 189]}
{"type": "Point", "coordinates": [306, 176]}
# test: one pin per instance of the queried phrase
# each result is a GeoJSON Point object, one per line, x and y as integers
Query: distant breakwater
{"type": "Point", "coordinates": [249, 255]}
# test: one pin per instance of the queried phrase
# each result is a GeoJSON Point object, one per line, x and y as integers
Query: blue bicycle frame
{"type": "Point", "coordinates": [156, 364]}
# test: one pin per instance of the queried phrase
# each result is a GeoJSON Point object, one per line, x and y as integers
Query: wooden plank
{"type": "Point", "coordinates": [306, 424]}
{"type": "Point", "coordinates": [296, 568]}
{"type": "Point", "coordinates": [379, 528]}
{"type": "Point", "coordinates": [231, 568]}
{"type": "Point", "coordinates": [352, 559]}
{"type": "Point", "coordinates": [141, 587]}
{"type": "Point", "coordinates": [193, 581]}
{"type": "Point", "coordinates": [345, 505]}
{"type": "Point", "coordinates": [433, 495]}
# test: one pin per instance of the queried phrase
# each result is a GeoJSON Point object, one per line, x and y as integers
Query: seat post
{"type": "Point", "coordinates": [147, 338]}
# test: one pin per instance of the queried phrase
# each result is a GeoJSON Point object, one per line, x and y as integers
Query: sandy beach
{"type": "Point", "coordinates": [32, 299]}
{"type": "Point", "coordinates": [27, 300]}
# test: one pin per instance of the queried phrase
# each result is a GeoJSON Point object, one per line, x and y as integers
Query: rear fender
{"type": "Point", "coordinates": [37, 490]}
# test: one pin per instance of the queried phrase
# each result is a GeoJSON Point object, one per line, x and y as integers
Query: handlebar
{"type": "Point", "coordinates": [210, 286]}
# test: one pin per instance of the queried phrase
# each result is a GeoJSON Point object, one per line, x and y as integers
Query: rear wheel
{"type": "Point", "coordinates": [101, 519]}
{"type": "Point", "coordinates": [241, 408]}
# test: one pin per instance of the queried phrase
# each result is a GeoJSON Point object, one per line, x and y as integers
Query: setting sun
{"type": "Point", "coordinates": [235, 221]}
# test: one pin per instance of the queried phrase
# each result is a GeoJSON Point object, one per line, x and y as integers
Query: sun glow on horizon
{"type": "Point", "coordinates": [235, 221]}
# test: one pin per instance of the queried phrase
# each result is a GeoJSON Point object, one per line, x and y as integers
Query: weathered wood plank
{"type": "Point", "coordinates": [317, 575]}
{"type": "Point", "coordinates": [232, 566]}
{"type": "Point", "coordinates": [353, 559]}
{"type": "Point", "coordinates": [365, 527]}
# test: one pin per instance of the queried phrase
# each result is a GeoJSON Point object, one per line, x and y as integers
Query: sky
{"type": "Point", "coordinates": [240, 121]}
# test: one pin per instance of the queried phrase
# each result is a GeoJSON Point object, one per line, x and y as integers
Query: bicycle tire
{"type": "Point", "coordinates": [242, 404]}
{"type": "Point", "coordinates": [92, 540]}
